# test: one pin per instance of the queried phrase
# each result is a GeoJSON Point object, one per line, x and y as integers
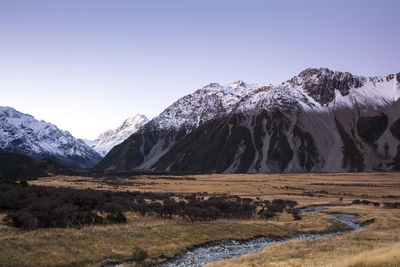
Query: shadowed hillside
{"type": "Point", "coordinates": [16, 166]}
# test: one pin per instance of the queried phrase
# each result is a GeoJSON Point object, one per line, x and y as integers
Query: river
{"type": "Point", "coordinates": [222, 250]}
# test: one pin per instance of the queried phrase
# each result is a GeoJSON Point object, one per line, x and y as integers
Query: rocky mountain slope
{"type": "Point", "coordinates": [23, 134]}
{"type": "Point", "coordinates": [108, 139]}
{"type": "Point", "coordinates": [318, 121]}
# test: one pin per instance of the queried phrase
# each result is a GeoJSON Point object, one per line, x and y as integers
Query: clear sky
{"type": "Point", "coordinates": [87, 65]}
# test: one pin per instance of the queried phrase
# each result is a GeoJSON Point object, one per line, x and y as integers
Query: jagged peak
{"type": "Point", "coordinates": [321, 83]}
{"type": "Point", "coordinates": [320, 73]}
{"type": "Point", "coordinates": [212, 85]}
{"type": "Point", "coordinates": [6, 108]}
{"type": "Point", "coordinates": [12, 113]}
{"type": "Point", "coordinates": [105, 134]}
{"type": "Point", "coordinates": [129, 122]}
{"type": "Point", "coordinates": [237, 84]}
{"type": "Point", "coordinates": [135, 118]}
{"type": "Point", "coordinates": [132, 121]}
{"type": "Point", "coordinates": [110, 138]}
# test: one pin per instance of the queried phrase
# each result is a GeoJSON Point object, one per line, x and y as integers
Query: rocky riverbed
{"type": "Point", "coordinates": [222, 250]}
{"type": "Point", "coordinates": [233, 249]}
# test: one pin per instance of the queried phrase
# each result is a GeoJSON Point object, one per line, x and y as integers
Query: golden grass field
{"type": "Point", "coordinates": [377, 245]}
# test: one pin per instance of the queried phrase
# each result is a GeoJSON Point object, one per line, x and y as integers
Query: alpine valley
{"type": "Point", "coordinates": [318, 121]}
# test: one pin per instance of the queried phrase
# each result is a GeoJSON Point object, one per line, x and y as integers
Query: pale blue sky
{"type": "Point", "coordinates": [87, 65]}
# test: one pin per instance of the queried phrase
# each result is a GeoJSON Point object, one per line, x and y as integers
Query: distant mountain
{"type": "Point", "coordinates": [318, 121]}
{"type": "Point", "coordinates": [110, 138]}
{"type": "Point", "coordinates": [23, 134]}
{"type": "Point", "coordinates": [17, 166]}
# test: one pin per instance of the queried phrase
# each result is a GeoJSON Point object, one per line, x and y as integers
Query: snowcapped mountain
{"type": "Point", "coordinates": [319, 121]}
{"type": "Point", "coordinates": [110, 138]}
{"type": "Point", "coordinates": [22, 133]}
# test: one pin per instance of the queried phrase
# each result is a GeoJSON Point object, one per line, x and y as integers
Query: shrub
{"type": "Point", "coordinates": [116, 218]}
{"type": "Point", "coordinates": [46, 207]}
{"type": "Point", "coordinates": [391, 205]}
{"type": "Point", "coordinates": [295, 214]}
{"type": "Point", "coordinates": [139, 255]}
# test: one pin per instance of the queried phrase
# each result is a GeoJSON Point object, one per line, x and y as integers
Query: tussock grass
{"type": "Point", "coordinates": [377, 245]}
{"type": "Point", "coordinates": [160, 238]}
{"type": "Point", "coordinates": [386, 257]}
{"type": "Point", "coordinates": [374, 246]}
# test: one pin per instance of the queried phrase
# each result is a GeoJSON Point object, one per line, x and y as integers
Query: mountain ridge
{"type": "Point", "coordinates": [110, 138]}
{"type": "Point", "coordinates": [308, 123]}
{"type": "Point", "coordinates": [21, 133]}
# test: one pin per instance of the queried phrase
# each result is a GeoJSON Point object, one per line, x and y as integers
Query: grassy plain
{"type": "Point", "coordinates": [377, 245]}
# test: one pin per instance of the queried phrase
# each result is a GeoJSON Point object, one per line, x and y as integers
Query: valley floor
{"type": "Point", "coordinates": [377, 245]}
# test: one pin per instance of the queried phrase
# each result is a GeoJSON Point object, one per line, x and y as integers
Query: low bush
{"type": "Point", "coordinates": [366, 202]}
{"type": "Point", "coordinates": [33, 207]}
{"type": "Point", "coordinates": [139, 255]}
{"type": "Point", "coordinates": [391, 205]}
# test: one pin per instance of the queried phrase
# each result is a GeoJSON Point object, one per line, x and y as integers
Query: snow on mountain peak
{"type": "Point", "coordinates": [237, 84]}
{"type": "Point", "coordinates": [22, 133]}
{"type": "Point", "coordinates": [306, 123]}
{"type": "Point", "coordinates": [311, 89]}
{"type": "Point", "coordinates": [110, 138]}
{"type": "Point", "coordinates": [133, 122]}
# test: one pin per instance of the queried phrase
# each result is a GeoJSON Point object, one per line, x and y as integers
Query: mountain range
{"type": "Point", "coordinates": [318, 121]}
{"type": "Point", "coordinates": [110, 138]}
{"type": "Point", "coordinates": [23, 134]}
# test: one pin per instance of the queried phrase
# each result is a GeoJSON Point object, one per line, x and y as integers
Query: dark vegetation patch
{"type": "Point", "coordinates": [386, 205]}
{"type": "Point", "coordinates": [133, 174]}
{"type": "Point", "coordinates": [391, 205]}
{"type": "Point", "coordinates": [18, 167]}
{"type": "Point", "coordinates": [358, 185]}
{"type": "Point", "coordinates": [288, 187]}
{"type": "Point", "coordinates": [172, 178]}
{"type": "Point", "coordinates": [352, 157]}
{"type": "Point", "coordinates": [308, 194]}
{"type": "Point", "coordinates": [367, 222]}
{"type": "Point", "coordinates": [33, 207]}
{"type": "Point", "coordinates": [139, 255]}
{"type": "Point", "coordinates": [366, 202]}
{"type": "Point", "coordinates": [370, 129]}
{"type": "Point", "coordinates": [116, 183]}
{"type": "Point", "coordinates": [270, 209]}
{"type": "Point", "coordinates": [391, 196]}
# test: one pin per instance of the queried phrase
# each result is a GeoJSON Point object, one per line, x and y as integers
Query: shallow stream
{"type": "Point", "coordinates": [233, 249]}
{"type": "Point", "coordinates": [222, 250]}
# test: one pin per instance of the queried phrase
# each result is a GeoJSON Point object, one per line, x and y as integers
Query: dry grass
{"type": "Point", "coordinates": [362, 247]}
{"type": "Point", "coordinates": [161, 238]}
{"type": "Point", "coordinates": [375, 246]}
{"type": "Point", "coordinates": [385, 256]}
{"type": "Point", "coordinates": [265, 186]}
